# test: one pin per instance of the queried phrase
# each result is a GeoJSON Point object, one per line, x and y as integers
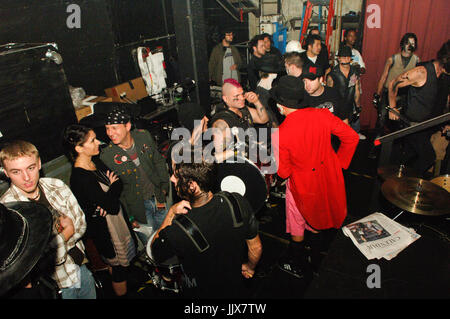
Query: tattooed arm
{"type": "Point", "coordinates": [415, 77]}
{"type": "Point", "coordinates": [221, 138]}
{"type": "Point", "coordinates": [259, 114]}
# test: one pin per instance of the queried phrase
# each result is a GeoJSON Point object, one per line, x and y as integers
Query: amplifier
{"type": "Point", "coordinates": [35, 102]}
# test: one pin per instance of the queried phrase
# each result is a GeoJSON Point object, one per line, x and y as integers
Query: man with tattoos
{"type": "Point", "coordinates": [234, 113]}
{"type": "Point", "coordinates": [421, 105]}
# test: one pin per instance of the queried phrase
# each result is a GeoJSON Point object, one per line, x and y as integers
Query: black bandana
{"type": "Point", "coordinates": [117, 116]}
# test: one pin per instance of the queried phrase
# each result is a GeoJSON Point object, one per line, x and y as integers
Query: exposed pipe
{"type": "Point", "coordinates": [191, 33]}
{"type": "Point", "coordinates": [228, 11]}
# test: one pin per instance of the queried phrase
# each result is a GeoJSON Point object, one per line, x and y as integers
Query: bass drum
{"type": "Point", "coordinates": [243, 177]}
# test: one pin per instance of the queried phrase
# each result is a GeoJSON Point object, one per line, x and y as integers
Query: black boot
{"type": "Point", "coordinates": [317, 245]}
{"type": "Point", "coordinates": [294, 260]}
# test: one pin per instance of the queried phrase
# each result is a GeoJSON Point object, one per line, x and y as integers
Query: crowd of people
{"type": "Point", "coordinates": [122, 189]}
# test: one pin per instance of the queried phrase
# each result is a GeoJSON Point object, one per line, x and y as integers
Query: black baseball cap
{"type": "Point", "coordinates": [311, 72]}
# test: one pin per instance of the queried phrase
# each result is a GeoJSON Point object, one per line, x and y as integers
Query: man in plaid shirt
{"type": "Point", "coordinates": [21, 163]}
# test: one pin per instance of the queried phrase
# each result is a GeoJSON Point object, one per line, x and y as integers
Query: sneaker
{"type": "Point", "coordinates": [361, 136]}
{"type": "Point", "coordinates": [291, 268]}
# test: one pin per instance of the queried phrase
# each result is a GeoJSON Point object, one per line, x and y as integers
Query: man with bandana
{"type": "Point", "coordinates": [133, 155]}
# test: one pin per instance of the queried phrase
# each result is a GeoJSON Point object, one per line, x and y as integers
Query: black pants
{"type": "Point", "coordinates": [418, 151]}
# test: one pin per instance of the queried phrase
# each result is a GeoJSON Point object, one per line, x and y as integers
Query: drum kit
{"type": "Point", "coordinates": [405, 190]}
{"type": "Point", "coordinates": [248, 176]}
{"type": "Point", "coordinates": [167, 275]}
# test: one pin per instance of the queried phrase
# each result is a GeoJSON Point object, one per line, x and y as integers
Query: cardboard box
{"type": "Point", "coordinates": [134, 89]}
{"type": "Point", "coordinates": [88, 103]}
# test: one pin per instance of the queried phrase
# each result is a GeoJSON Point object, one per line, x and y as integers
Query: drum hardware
{"type": "Point", "coordinates": [176, 93]}
{"type": "Point", "coordinates": [166, 277]}
{"type": "Point", "coordinates": [417, 196]}
{"type": "Point", "coordinates": [397, 171]}
{"type": "Point", "coordinates": [442, 181]}
{"type": "Point", "coordinates": [123, 96]}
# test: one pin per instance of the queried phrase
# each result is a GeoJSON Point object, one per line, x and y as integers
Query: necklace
{"type": "Point", "coordinates": [202, 199]}
{"type": "Point", "coordinates": [37, 196]}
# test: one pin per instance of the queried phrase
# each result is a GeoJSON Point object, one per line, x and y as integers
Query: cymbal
{"type": "Point", "coordinates": [442, 181]}
{"type": "Point", "coordinates": [398, 171]}
{"type": "Point", "coordinates": [417, 196]}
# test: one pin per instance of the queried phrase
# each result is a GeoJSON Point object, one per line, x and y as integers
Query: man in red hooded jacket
{"type": "Point", "coordinates": [315, 192]}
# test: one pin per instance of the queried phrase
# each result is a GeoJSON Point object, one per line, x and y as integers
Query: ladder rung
{"type": "Point", "coordinates": [319, 2]}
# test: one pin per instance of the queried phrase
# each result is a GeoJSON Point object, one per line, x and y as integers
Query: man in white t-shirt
{"type": "Point", "coordinates": [225, 61]}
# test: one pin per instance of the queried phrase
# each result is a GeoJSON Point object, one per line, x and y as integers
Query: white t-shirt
{"type": "Point", "coordinates": [228, 61]}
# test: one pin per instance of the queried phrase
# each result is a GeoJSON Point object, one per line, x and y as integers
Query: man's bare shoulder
{"type": "Point", "coordinates": [220, 124]}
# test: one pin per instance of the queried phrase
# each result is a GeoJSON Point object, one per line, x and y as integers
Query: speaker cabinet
{"type": "Point", "coordinates": [35, 102]}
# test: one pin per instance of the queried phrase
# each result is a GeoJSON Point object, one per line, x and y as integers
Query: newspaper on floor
{"type": "Point", "coordinates": [378, 236]}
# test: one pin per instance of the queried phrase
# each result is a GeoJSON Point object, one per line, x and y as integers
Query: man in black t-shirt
{"type": "Point", "coordinates": [311, 57]}
{"type": "Point", "coordinates": [320, 96]}
{"type": "Point", "coordinates": [257, 50]}
{"type": "Point", "coordinates": [208, 232]}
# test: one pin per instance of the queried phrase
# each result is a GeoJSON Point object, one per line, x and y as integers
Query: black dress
{"type": "Point", "coordinates": [112, 235]}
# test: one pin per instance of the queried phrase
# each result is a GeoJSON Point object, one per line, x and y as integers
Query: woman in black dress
{"type": "Point", "coordinates": [98, 190]}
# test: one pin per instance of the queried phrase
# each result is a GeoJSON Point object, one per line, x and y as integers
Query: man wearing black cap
{"type": "Point", "coordinates": [344, 77]}
{"type": "Point", "coordinates": [315, 192]}
{"type": "Point", "coordinates": [133, 155]}
{"type": "Point", "coordinates": [224, 61]}
{"type": "Point", "coordinates": [320, 96]}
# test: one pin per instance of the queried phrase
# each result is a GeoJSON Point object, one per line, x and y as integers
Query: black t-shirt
{"type": "Point", "coordinates": [252, 72]}
{"type": "Point", "coordinates": [216, 272]}
{"type": "Point", "coordinates": [329, 99]}
{"type": "Point", "coordinates": [321, 62]}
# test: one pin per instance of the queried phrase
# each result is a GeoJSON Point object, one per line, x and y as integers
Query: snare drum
{"type": "Point", "coordinates": [243, 177]}
{"type": "Point", "coordinates": [170, 269]}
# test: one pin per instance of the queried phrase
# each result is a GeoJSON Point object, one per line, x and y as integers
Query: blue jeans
{"type": "Point", "coordinates": [356, 125]}
{"type": "Point", "coordinates": [154, 217]}
{"type": "Point", "coordinates": [86, 290]}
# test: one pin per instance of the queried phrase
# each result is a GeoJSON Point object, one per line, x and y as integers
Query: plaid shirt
{"type": "Point", "coordinates": [62, 200]}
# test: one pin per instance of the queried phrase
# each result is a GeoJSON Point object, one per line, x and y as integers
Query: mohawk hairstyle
{"type": "Point", "coordinates": [232, 82]}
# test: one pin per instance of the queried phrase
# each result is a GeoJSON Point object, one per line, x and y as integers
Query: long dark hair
{"type": "Point", "coordinates": [404, 40]}
{"type": "Point", "coordinates": [74, 135]}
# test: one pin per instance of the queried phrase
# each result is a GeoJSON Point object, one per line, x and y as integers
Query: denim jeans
{"type": "Point", "coordinates": [87, 287]}
{"type": "Point", "coordinates": [356, 125]}
{"type": "Point", "coordinates": [154, 216]}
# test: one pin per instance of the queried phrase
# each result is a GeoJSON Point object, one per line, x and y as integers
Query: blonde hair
{"type": "Point", "coordinates": [16, 149]}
